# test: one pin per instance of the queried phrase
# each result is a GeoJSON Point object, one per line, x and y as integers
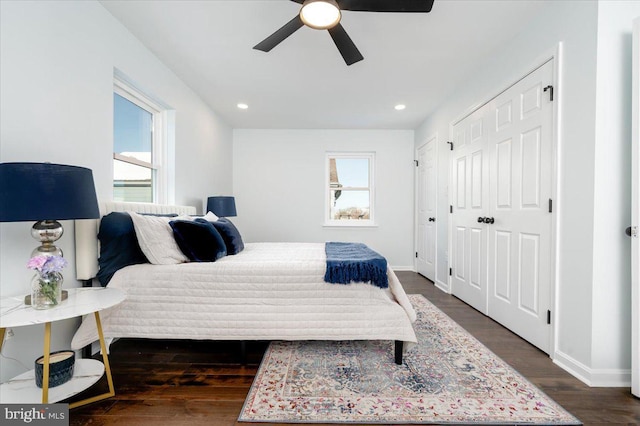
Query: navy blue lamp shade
{"type": "Point", "coordinates": [46, 192]}
{"type": "Point", "coordinates": [222, 206]}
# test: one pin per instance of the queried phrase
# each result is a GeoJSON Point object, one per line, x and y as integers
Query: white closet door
{"type": "Point", "coordinates": [520, 150]}
{"type": "Point", "coordinates": [426, 263]}
{"type": "Point", "coordinates": [470, 203]}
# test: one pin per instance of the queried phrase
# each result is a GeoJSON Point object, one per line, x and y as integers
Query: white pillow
{"type": "Point", "coordinates": [156, 241]}
{"type": "Point", "coordinates": [210, 217]}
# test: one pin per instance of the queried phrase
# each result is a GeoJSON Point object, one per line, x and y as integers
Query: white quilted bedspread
{"type": "Point", "coordinates": [269, 291]}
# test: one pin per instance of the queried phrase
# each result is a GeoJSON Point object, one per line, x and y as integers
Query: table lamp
{"type": "Point", "coordinates": [46, 193]}
{"type": "Point", "coordinates": [222, 206]}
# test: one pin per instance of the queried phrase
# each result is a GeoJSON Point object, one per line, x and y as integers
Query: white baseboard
{"type": "Point", "coordinates": [610, 378]}
{"type": "Point", "coordinates": [443, 286]}
{"type": "Point", "coordinates": [403, 268]}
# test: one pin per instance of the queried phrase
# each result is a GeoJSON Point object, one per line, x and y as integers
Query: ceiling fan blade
{"type": "Point", "coordinates": [418, 6]}
{"type": "Point", "coordinates": [276, 38]}
{"type": "Point", "coordinates": [345, 45]}
{"type": "Point", "coordinates": [422, 6]}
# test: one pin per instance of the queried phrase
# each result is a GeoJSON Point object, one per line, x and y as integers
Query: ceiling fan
{"type": "Point", "coordinates": [325, 15]}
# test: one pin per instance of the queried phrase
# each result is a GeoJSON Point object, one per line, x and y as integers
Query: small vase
{"type": "Point", "coordinates": [46, 290]}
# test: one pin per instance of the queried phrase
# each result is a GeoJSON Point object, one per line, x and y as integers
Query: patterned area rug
{"type": "Point", "coordinates": [448, 377]}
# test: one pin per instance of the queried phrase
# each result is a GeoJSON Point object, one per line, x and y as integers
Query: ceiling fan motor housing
{"type": "Point", "coordinates": [320, 14]}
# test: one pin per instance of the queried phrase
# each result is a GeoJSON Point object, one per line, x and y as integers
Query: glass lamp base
{"type": "Point", "coordinates": [47, 231]}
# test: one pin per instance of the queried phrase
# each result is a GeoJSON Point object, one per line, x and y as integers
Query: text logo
{"type": "Point", "coordinates": [35, 414]}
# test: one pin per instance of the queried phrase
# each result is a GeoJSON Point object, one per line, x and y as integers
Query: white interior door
{"type": "Point", "coordinates": [520, 150]}
{"type": "Point", "coordinates": [635, 214]}
{"type": "Point", "coordinates": [426, 241]}
{"type": "Point", "coordinates": [470, 203]}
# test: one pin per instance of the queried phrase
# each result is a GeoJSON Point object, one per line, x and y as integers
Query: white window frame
{"type": "Point", "coordinates": [328, 221]}
{"type": "Point", "coordinates": [159, 141]}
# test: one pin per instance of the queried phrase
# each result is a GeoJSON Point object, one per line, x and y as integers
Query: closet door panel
{"type": "Point", "coordinates": [520, 152]}
{"type": "Point", "coordinates": [470, 187]}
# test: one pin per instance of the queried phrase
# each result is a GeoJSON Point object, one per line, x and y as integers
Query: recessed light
{"type": "Point", "coordinates": [243, 106]}
{"type": "Point", "coordinates": [400, 107]}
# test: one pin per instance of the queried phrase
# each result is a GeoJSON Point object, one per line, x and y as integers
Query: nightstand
{"type": "Point", "coordinates": [81, 301]}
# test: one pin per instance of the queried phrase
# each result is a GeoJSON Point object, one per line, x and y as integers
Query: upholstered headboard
{"type": "Point", "coordinates": [87, 246]}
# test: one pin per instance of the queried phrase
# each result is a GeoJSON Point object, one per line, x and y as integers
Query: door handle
{"type": "Point", "coordinates": [489, 220]}
{"type": "Point", "coordinates": [631, 231]}
{"type": "Point", "coordinates": [628, 231]}
{"type": "Point", "coordinates": [481, 219]}
{"type": "Point", "coordinates": [432, 219]}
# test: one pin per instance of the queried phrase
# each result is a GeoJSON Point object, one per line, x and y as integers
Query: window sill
{"type": "Point", "coordinates": [350, 224]}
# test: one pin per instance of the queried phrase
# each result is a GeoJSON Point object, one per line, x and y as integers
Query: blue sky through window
{"type": "Point", "coordinates": [132, 137]}
{"type": "Point", "coordinates": [353, 172]}
{"type": "Point", "coordinates": [131, 127]}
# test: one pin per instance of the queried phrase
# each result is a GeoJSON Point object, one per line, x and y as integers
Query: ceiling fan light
{"type": "Point", "coordinates": [320, 14]}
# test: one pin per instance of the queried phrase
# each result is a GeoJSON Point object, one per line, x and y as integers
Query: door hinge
{"type": "Point", "coordinates": [450, 271]}
{"type": "Point", "coordinates": [416, 161]}
{"type": "Point", "coordinates": [450, 143]}
{"type": "Point", "coordinates": [416, 254]}
{"type": "Point", "coordinates": [550, 89]}
{"type": "Point", "coordinates": [550, 205]}
{"type": "Point", "coordinates": [450, 209]}
{"type": "Point", "coordinates": [548, 317]}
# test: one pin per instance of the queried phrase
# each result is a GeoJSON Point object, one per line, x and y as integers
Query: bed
{"type": "Point", "coordinates": [268, 291]}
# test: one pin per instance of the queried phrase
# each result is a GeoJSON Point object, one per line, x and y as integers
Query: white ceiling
{"type": "Point", "coordinates": [414, 59]}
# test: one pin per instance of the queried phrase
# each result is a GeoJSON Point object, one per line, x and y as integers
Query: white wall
{"type": "Point", "coordinates": [57, 62]}
{"type": "Point", "coordinates": [279, 185]}
{"type": "Point", "coordinates": [592, 282]}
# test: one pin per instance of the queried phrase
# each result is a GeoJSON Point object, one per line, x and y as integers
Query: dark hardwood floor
{"type": "Point", "coordinates": [202, 383]}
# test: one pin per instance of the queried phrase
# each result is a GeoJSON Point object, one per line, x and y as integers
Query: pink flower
{"type": "Point", "coordinates": [37, 262]}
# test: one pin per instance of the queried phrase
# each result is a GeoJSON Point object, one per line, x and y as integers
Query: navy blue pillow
{"type": "Point", "coordinates": [230, 235]}
{"type": "Point", "coordinates": [118, 246]}
{"type": "Point", "coordinates": [198, 240]}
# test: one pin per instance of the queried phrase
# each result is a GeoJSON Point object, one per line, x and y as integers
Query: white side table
{"type": "Point", "coordinates": [81, 301]}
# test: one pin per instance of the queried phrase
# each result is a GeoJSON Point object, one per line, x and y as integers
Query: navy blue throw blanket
{"type": "Point", "coordinates": [347, 262]}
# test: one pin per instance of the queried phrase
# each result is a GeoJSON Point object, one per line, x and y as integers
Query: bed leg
{"type": "Point", "coordinates": [398, 351]}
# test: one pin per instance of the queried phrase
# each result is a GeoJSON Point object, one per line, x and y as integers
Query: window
{"type": "Point", "coordinates": [138, 172]}
{"type": "Point", "coordinates": [349, 183]}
